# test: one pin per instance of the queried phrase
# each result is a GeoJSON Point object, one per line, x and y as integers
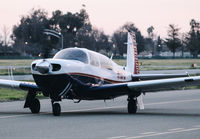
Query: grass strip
{"type": "Point", "coordinates": [7, 94]}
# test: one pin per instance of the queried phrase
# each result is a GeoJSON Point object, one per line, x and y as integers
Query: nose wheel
{"type": "Point", "coordinates": [56, 109]}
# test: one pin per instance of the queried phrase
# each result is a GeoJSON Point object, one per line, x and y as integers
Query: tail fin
{"type": "Point", "coordinates": [132, 64]}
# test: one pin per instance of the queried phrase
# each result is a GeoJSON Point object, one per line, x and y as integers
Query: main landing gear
{"type": "Point", "coordinates": [35, 106]}
{"type": "Point", "coordinates": [56, 109]}
{"type": "Point", "coordinates": [31, 102]}
{"type": "Point", "coordinates": [132, 105]}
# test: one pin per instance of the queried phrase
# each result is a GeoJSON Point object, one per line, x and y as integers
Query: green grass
{"type": "Point", "coordinates": [11, 94]}
{"type": "Point", "coordinates": [7, 94]}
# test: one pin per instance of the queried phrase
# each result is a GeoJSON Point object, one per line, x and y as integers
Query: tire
{"type": "Point", "coordinates": [56, 109]}
{"type": "Point", "coordinates": [35, 106]}
{"type": "Point", "coordinates": [132, 107]}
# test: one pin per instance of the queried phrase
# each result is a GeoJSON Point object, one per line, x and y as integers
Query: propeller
{"type": "Point", "coordinates": [43, 67]}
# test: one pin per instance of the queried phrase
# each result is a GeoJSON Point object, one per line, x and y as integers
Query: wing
{"type": "Point", "coordinates": [18, 85]}
{"type": "Point", "coordinates": [114, 90]}
{"type": "Point", "coordinates": [156, 76]}
{"type": "Point", "coordinates": [164, 84]}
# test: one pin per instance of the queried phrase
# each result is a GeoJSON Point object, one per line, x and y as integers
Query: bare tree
{"type": "Point", "coordinates": [6, 35]}
{"type": "Point", "coordinates": [1, 41]}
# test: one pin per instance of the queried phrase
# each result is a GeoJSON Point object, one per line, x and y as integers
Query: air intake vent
{"type": "Point", "coordinates": [33, 66]}
{"type": "Point", "coordinates": [56, 67]}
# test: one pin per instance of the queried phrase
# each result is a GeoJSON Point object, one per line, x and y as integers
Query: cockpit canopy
{"type": "Point", "coordinates": [85, 56]}
{"type": "Point", "coordinates": [72, 54]}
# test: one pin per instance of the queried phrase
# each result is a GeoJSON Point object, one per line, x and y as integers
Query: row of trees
{"type": "Point", "coordinates": [28, 36]}
{"type": "Point", "coordinates": [76, 29]}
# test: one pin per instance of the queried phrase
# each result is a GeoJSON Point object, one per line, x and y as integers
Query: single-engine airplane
{"type": "Point", "coordinates": [82, 74]}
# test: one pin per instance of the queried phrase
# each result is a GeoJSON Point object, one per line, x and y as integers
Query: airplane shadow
{"type": "Point", "coordinates": [121, 112]}
{"type": "Point", "coordinates": [148, 112]}
{"type": "Point", "coordinates": [15, 113]}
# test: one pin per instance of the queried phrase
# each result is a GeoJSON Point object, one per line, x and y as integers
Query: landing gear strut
{"type": "Point", "coordinates": [32, 103]}
{"type": "Point", "coordinates": [56, 109]}
{"type": "Point", "coordinates": [132, 105]}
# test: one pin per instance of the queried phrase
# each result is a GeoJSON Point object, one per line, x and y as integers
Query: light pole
{"type": "Point", "coordinates": [55, 34]}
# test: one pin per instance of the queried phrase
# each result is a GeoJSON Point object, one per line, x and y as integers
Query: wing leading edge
{"type": "Point", "coordinates": [135, 77]}
{"type": "Point", "coordinates": [146, 86]}
{"type": "Point", "coordinates": [18, 85]}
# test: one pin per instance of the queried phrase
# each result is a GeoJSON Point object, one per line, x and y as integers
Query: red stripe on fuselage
{"type": "Point", "coordinates": [97, 77]}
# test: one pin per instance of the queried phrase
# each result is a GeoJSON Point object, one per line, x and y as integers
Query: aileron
{"type": "Point", "coordinates": [163, 84]}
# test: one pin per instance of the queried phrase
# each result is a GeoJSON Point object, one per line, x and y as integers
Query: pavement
{"type": "Point", "coordinates": [167, 115]}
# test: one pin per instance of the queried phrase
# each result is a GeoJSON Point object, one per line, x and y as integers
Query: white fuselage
{"type": "Point", "coordinates": [98, 67]}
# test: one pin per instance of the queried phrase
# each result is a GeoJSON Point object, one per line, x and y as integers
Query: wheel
{"type": "Point", "coordinates": [35, 106]}
{"type": "Point", "coordinates": [56, 109]}
{"type": "Point", "coordinates": [132, 106]}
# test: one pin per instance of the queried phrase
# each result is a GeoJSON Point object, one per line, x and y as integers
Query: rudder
{"type": "Point", "coordinates": [132, 64]}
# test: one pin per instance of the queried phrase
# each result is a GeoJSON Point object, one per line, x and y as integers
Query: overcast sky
{"type": "Point", "coordinates": [109, 15]}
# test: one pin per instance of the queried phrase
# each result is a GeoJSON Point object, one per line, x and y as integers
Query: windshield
{"type": "Point", "coordinates": [72, 54]}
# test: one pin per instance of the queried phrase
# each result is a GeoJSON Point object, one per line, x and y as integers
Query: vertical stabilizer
{"type": "Point", "coordinates": [132, 64]}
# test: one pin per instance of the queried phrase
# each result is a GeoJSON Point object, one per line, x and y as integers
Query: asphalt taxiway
{"type": "Point", "coordinates": [170, 114]}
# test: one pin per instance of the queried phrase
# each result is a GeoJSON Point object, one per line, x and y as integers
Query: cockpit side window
{"type": "Point", "coordinates": [94, 59]}
{"type": "Point", "coordinates": [72, 54]}
{"type": "Point", "coordinates": [105, 63]}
